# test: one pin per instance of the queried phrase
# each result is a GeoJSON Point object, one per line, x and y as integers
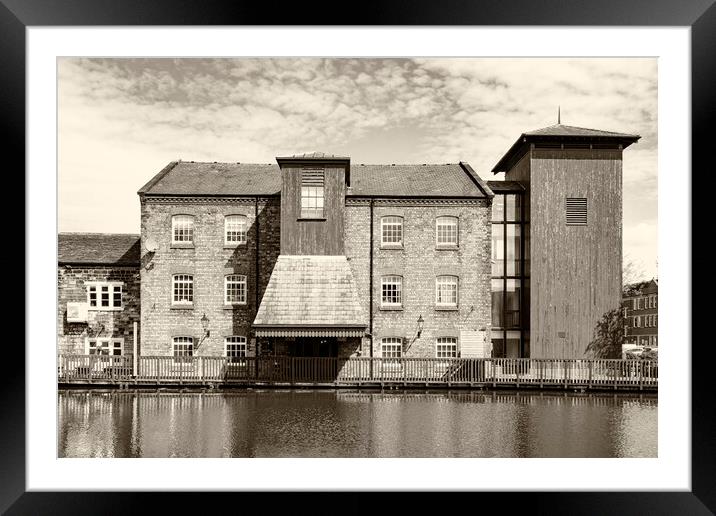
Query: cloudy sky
{"type": "Point", "coordinates": [123, 120]}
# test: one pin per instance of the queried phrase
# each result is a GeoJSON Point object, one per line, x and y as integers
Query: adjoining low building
{"type": "Point", "coordinates": [641, 315]}
{"type": "Point", "coordinates": [98, 293]}
{"type": "Point", "coordinates": [315, 256]}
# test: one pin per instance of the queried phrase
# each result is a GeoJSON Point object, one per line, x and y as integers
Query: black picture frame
{"type": "Point", "coordinates": [699, 15]}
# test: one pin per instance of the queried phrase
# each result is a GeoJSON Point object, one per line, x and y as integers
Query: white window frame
{"type": "Point", "coordinates": [442, 280]}
{"type": "Point", "coordinates": [182, 340]}
{"type": "Point", "coordinates": [239, 342]}
{"type": "Point", "coordinates": [238, 224]}
{"type": "Point", "coordinates": [183, 222]}
{"type": "Point", "coordinates": [392, 220]}
{"type": "Point", "coordinates": [112, 344]}
{"type": "Point", "coordinates": [447, 221]}
{"type": "Point", "coordinates": [235, 279]}
{"type": "Point", "coordinates": [391, 279]}
{"type": "Point", "coordinates": [189, 281]}
{"type": "Point", "coordinates": [391, 345]}
{"type": "Point", "coordinates": [453, 342]}
{"type": "Point", "coordinates": [111, 286]}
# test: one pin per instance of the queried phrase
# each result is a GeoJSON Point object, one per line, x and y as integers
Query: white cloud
{"type": "Point", "coordinates": [126, 118]}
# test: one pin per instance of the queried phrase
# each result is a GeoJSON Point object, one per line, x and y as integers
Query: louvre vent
{"type": "Point", "coordinates": [311, 177]}
{"type": "Point", "coordinates": [576, 211]}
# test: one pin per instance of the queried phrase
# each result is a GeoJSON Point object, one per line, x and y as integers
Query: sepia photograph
{"type": "Point", "coordinates": [357, 257]}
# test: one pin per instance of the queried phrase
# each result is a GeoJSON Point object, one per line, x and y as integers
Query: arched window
{"type": "Point", "coordinates": [183, 349]}
{"type": "Point", "coordinates": [391, 347]}
{"type": "Point", "coordinates": [446, 231]}
{"type": "Point", "coordinates": [446, 290]}
{"type": "Point", "coordinates": [183, 229]}
{"type": "Point", "coordinates": [234, 229]}
{"type": "Point", "coordinates": [182, 289]}
{"type": "Point", "coordinates": [235, 289]}
{"type": "Point", "coordinates": [391, 231]}
{"type": "Point", "coordinates": [391, 288]}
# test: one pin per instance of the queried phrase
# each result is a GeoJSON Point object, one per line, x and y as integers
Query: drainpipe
{"type": "Point", "coordinates": [256, 283]}
{"type": "Point", "coordinates": [370, 288]}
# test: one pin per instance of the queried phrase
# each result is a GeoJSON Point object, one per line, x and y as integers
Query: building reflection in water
{"type": "Point", "coordinates": [325, 423]}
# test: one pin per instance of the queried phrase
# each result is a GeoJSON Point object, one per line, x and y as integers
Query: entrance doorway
{"type": "Point", "coordinates": [314, 347]}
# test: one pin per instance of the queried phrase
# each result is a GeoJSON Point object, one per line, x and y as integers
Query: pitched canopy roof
{"type": "Point", "coordinates": [97, 249]}
{"type": "Point", "coordinates": [223, 179]}
{"type": "Point", "coordinates": [560, 133]}
{"type": "Point", "coordinates": [311, 293]}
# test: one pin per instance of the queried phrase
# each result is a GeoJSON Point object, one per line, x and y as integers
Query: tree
{"type": "Point", "coordinates": [632, 272]}
{"type": "Point", "coordinates": [608, 336]}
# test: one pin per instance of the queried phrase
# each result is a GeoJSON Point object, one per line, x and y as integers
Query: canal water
{"type": "Point", "coordinates": [338, 423]}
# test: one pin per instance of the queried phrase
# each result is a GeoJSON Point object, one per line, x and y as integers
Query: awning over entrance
{"type": "Point", "coordinates": [310, 332]}
{"type": "Point", "coordinates": [311, 296]}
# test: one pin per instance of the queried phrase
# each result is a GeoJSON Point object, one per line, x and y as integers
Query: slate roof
{"type": "Point", "coordinates": [570, 130]}
{"type": "Point", "coordinates": [201, 178]}
{"type": "Point", "coordinates": [560, 132]}
{"type": "Point", "coordinates": [97, 249]}
{"type": "Point", "coordinates": [311, 291]}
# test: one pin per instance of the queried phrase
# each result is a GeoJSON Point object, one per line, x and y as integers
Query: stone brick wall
{"type": "Point", "coordinates": [420, 262]}
{"type": "Point", "coordinates": [208, 261]}
{"type": "Point", "coordinates": [71, 287]}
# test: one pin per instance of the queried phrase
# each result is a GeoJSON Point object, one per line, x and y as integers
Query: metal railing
{"type": "Point", "coordinates": [601, 373]}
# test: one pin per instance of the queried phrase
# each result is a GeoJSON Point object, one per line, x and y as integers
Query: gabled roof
{"type": "Point", "coordinates": [186, 178]}
{"type": "Point", "coordinates": [97, 249]}
{"type": "Point", "coordinates": [311, 292]}
{"type": "Point", "coordinates": [204, 178]}
{"type": "Point", "coordinates": [560, 133]}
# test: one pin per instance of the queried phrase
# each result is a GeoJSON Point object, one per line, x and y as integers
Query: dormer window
{"type": "Point", "coordinates": [312, 193]}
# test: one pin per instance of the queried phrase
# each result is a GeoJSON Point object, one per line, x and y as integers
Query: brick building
{"type": "Point", "coordinates": [315, 256]}
{"type": "Point", "coordinates": [98, 293]}
{"type": "Point", "coordinates": [640, 303]}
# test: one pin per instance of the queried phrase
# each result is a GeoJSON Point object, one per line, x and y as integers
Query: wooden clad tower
{"type": "Point", "coordinates": [313, 191]}
{"type": "Point", "coordinates": [573, 231]}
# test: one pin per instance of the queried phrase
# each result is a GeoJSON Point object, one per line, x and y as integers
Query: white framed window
{"type": "Point", "coordinates": [104, 295]}
{"type": "Point", "coordinates": [391, 347]}
{"type": "Point", "coordinates": [235, 289]}
{"type": "Point", "coordinates": [446, 347]}
{"type": "Point", "coordinates": [391, 231]}
{"type": "Point", "coordinates": [391, 288]}
{"type": "Point", "coordinates": [182, 289]}
{"type": "Point", "coordinates": [183, 349]}
{"type": "Point", "coordinates": [312, 193]}
{"type": "Point", "coordinates": [104, 346]}
{"type": "Point", "coordinates": [637, 321]}
{"type": "Point", "coordinates": [183, 229]}
{"type": "Point", "coordinates": [234, 229]}
{"type": "Point", "coordinates": [635, 303]}
{"type": "Point", "coordinates": [446, 290]}
{"type": "Point", "coordinates": [235, 349]}
{"type": "Point", "coordinates": [446, 231]}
